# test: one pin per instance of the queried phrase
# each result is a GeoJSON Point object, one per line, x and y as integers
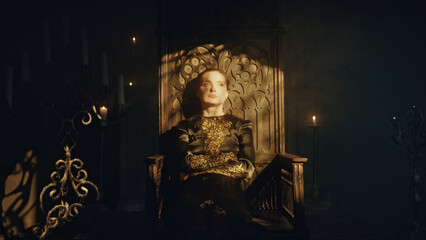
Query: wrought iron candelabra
{"type": "Point", "coordinates": [314, 189]}
{"type": "Point", "coordinates": [69, 187]}
{"type": "Point", "coordinates": [59, 188]}
{"type": "Point", "coordinates": [413, 139]}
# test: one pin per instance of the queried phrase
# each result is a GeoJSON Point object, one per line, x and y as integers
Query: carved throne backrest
{"type": "Point", "coordinates": [256, 90]}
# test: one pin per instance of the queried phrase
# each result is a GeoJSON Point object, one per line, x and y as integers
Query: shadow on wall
{"type": "Point", "coordinates": [19, 197]}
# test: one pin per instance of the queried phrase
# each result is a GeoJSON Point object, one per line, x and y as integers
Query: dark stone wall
{"type": "Point", "coordinates": [355, 65]}
{"type": "Point", "coordinates": [110, 28]}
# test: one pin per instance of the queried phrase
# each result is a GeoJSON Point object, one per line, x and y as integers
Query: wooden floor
{"type": "Point", "coordinates": [322, 223]}
{"type": "Point", "coordinates": [327, 223]}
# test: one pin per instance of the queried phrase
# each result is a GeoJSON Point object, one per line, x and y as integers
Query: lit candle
{"type": "Point", "coordinates": [65, 33]}
{"type": "Point", "coordinates": [9, 86]}
{"type": "Point", "coordinates": [104, 113]}
{"type": "Point", "coordinates": [84, 53]}
{"type": "Point", "coordinates": [133, 46]}
{"type": "Point", "coordinates": [25, 67]}
{"type": "Point", "coordinates": [120, 91]}
{"type": "Point", "coordinates": [130, 84]}
{"type": "Point", "coordinates": [47, 56]}
{"type": "Point", "coordinates": [104, 60]}
{"type": "Point", "coordinates": [314, 120]}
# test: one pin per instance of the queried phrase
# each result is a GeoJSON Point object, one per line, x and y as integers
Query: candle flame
{"type": "Point", "coordinates": [103, 113]}
{"type": "Point", "coordinates": [314, 118]}
{"type": "Point", "coordinates": [130, 84]}
{"type": "Point", "coordinates": [134, 40]}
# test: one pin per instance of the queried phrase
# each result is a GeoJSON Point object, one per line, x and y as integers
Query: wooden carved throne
{"type": "Point", "coordinates": [275, 194]}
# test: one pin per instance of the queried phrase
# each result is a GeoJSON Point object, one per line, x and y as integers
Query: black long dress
{"type": "Point", "coordinates": [215, 154]}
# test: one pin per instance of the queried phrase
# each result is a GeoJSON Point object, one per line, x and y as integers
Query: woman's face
{"type": "Point", "coordinates": [213, 90]}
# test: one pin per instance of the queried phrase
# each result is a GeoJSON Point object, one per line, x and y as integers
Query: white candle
{"type": "Point", "coordinates": [25, 67]}
{"type": "Point", "coordinates": [104, 62]}
{"type": "Point", "coordinates": [84, 51]}
{"type": "Point", "coordinates": [314, 120]}
{"type": "Point", "coordinates": [121, 90]}
{"type": "Point", "coordinates": [104, 113]}
{"type": "Point", "coordinates": [9, 86]}
{"type": "Point", "coordinates": [65, 32]}
{"type": "Point", "coordinates": [47, 53]}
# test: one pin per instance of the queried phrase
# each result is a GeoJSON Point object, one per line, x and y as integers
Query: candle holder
{"type": "Point", "coordinates": [59, 193]}
{"type": "Point", "coordinates": [314, 190]}
{"type": "Point", "coordinates": [413, 139]}
{"type": "Point", "coordinates": [70, 188]}
{"type": "Point", "coordinates": [69, 110]}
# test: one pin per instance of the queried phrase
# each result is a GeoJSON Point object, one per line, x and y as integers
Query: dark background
{"type": "Point", "coordinates": [353, 64]}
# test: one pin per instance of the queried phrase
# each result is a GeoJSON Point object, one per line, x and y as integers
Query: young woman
{"type": "Point", "coordinates": [215, 151]}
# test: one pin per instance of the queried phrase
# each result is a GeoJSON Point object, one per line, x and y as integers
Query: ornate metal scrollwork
{"type": "Point", "coordinates": [413, 139]}
{"type": "Point", "coordinates": [65, 109]}
{"type": "Point", "coordinates": [68, 188]}
{"type": "Point", "coordinates": [59, 188]}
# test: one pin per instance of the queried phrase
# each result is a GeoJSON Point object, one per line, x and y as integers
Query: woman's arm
{"type": "Point", "coordinates": [246, 153]}
{"type": "Point", "coordinates": [240, 165]}
{"type": "Point", "coordinates": [182, 145]}
{"type": "Point", "coordinates": [202, 162]}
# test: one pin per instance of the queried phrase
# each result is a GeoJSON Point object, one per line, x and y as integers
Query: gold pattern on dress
{"type": "Point", "coordinates": [215, 130]}
{"type": "Point", "coordinates": [204, 162]}
{"type": "Point", "coordinates": [230, 169]}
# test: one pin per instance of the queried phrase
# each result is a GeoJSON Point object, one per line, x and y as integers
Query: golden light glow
{"type": "Point", "coordinates": [134, 40]}
{"type": "Point", "coordinates": [130, 84]}
{"type": "Point", "coordinates": [104, 112]}
{"type": "Point", "coordinates": [314, 120]}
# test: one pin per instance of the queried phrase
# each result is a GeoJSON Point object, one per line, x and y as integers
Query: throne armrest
{"type": "Point", "coordinates": [154, 165]}
{"type": "Point", "coordinates": [279, 188]}
{"type": "Point", "coordinates": [294, 164]}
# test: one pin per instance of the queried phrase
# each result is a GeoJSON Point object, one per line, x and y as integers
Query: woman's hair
{"type": "Point", "coordinates": [190, 102]}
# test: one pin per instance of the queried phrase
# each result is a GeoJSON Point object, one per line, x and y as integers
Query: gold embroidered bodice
{"type": "Point", "coordinates": [213, 147]}
{"type": "Point", "coordinates": [215, 130]}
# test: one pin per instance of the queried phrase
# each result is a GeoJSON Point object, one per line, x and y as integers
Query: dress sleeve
{"type": "Point", "coordinates": [182, 145]}
{"type": "Point", "coordinates": [246, 152]}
